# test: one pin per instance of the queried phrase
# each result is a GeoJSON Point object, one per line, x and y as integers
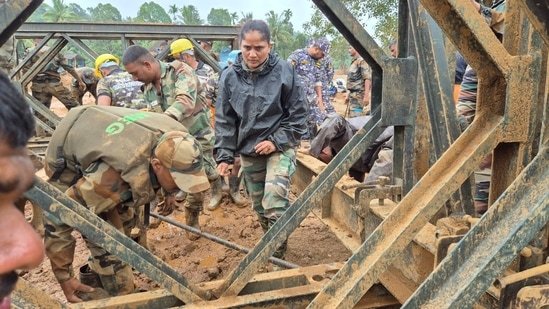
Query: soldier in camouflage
{"type": "Point", "coordinates": [47, 83]}
{"type": "Point", "coordinates": [88, 159]}
{"type": "Point", "coordinates": [117, 88]}
{"type": "Point", "coordinates": [176, 90]}
{"type": "Point", "coordinates": [90, 80]}
{"type": "Point", "coordinates": [305, 62]}
{"type": "Point", "coordinates": [7, 55]}
{"type": "Point", "coordinates": [359, 81]}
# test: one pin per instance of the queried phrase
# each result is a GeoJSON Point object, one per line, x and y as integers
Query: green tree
{"type": "Point", "coordinates": [190, 15]}
{"type": "Point", "coordinates": [280, 26]}
{"type": "Point", "coordinates": [59, 12]}
{"type": "Point", "coordinates": [151, 12]}
{"type": "Point", "coordinates": [79, 11]}
{"type": "Point", "coordinates": [244, 17]}
{"type": "Point", "coordinates": [234, 18]}
{"type": "Point", "coordinates": [173, 10]}
{"type": "Point", "coordinates": [38, 15]}
{"type": "Point", "coordinates": [105, 12]}
{"type": "Point", "coordinates": [383, 14]}
{"type": "Point", "coordinates": [219, 17]}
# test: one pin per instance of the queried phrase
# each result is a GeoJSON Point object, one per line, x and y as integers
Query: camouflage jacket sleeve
{"type": "Point", "coordinates": [365, 69]}
{"type": "Point", "coordinates": [101, 189]}
{"type": "Point", "coordinates": [184, 86]}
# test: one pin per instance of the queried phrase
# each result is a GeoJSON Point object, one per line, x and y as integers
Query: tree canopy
{"type": "Point", "coordinates": [382, 14]}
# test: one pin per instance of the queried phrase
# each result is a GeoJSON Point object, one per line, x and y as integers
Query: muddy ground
{"type": "Point", "coordinates": [203, 260]}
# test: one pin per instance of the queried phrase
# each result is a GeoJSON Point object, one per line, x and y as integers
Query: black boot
{"type": "Point", "coordinates": [191, 219]}
{"type": "Point", "coordinates": [234, 191]}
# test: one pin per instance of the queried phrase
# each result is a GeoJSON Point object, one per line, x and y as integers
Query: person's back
{"type": "Point", "coordinates": [122, 90]}
{"type": "Point", "coordinates": [7, 55]}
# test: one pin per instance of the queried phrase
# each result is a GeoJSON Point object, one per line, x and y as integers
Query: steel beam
{"type": "Point", "coordinates": [101, 232]}
{"type": "Point", "coordinates": [390, 238]}
{"type": "Point", "coordinates": [27, 296]}
{"type": "Point", "coordinates": [13, 14]}
{"type": "Point", "coordinates": [492, 244]}
{"type": "Point", "coordinates": [131, 31]}
{"type": "Point", "coordinates": [538, 13]}
{"type": "Point", "coordinates": [301, 207]}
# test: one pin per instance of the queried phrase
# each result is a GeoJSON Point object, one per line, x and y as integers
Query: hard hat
{"type": "Point", "coordinates": [181, 45]}
{"type": "Point", "coordinates": [104, 59]}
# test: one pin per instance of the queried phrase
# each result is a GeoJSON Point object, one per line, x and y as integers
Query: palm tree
{"type": "Point", "coordinates": [59, 12]}
{"type": "Point", "coordinates": [234, 18]}
{"type": "Point", "coordinates": [190, 15]}
{"type": "Point", "coordinates": [173, 9]}
{"type": "Point", "coordinates": [280, 25]}
{"type": "Point", "coordinates": [245, 17]}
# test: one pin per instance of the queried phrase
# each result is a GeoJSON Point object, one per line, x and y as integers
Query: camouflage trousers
{"type": "Point", "coordinates": [116, 276]}
{"type": "Point", "coordinates": [267, 179]}
{"type": "Point", "coordinates": [44, 89]}
{"type": "Point", "coordinates": [356, 105]}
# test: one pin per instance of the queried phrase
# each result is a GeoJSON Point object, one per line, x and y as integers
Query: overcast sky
{"type": "Point", "coordinates": [302, 9]}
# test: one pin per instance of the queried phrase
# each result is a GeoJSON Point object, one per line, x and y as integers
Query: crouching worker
{"type": "Point", "coordinates": [111, 160]}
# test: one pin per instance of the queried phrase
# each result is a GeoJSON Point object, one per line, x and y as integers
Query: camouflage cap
{"type": "Point", "coordinates": [88, 76]}
{"type": "Point", "coordinates": [182, 154]}
{"type": "Point", "coordinates": [322, 43]}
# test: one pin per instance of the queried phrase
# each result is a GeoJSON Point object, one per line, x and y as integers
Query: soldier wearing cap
{"type": "Point", "coordinates": [176, 89]}
{"type": "Point", "coordinates": [305, 62]}
{"type": "Point", "coordinates": [90, 80]}
{"type": "Point", "coordinates": [88, 159]}
{"type": "Point", "coordinates": [116, 87]}
{"type": "Point", "coordinates": [183, 50]}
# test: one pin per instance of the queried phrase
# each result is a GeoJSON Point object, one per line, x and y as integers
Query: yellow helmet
{"type": "Point", "coordinates": [104, 58]}
{"type": "Point", "coordinates": [181, 45]}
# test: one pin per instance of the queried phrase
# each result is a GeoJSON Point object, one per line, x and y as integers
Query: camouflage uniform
{"type": "Point", "coordinates": [88, 77]}
{"type": "Point", "coordinates": [110, 175]}
{"type": "Point", "coordinates": [467, 102]}
{"type": "Point", "coordinates": [359, 71]}
{"type": "Point", "coordinates": [183, 98]}
{"type": "Point", "coordinates": [47, 83]}
{"type": "Point", "coordinates": [326, 77]}
{"type": "Point", "coordinates": [309, 71]}
{"type": "Point", "coordinates": [123, 90]}
{"type": "Point", "coordinates": [7, 55]}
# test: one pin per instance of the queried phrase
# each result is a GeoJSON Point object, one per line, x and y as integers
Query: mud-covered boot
{"type": "Point", "coordinates": [264, 222]}
{"type": "Point", "coordinates": [191, 219]}
{"type": "Point", "coordinates": [91, 278]}
{"type": "Point", "coordinates": [280, 253]}
{"type": "Point", "coordinates": [216, 194]}
{"type": "Point", "coordinates": [234, 192]}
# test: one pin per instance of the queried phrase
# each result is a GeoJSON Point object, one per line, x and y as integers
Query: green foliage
{"type": "Point", "coordinates": [104, 12]}
{"type": "Point", "coordinates": [219, 17]}
{"type": "Point", "coordinates": [383, 14]}
{"type": "Point", "coordinates": [79, 11]}
{"type": "Point", "coordinates": [38, 15]}
{"type": "Point", "coordinates": [59, 12]}
{"type": "Point", "coordinates": [151, 12]}
{"type": "Point", "coordinates": [173, 10]}
{"type": "Point", "coordinates": [190, 15]}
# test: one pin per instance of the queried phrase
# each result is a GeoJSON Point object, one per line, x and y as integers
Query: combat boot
{"type": "Point", "coordinates": [280, 253]}
{"type": "Point", "coordinates": [191, 219]}
{"type": "Point", "coordinates": [216, 194]}
{"type": "Point", "coordinates": [264, 222]}
{"type": "Point", "coordinates": [234, 191]}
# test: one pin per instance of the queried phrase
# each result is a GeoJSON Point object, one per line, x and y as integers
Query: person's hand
{"type": "Point", "coordinates": [71, 287]}
{"type": "Point", "coordinates": [223, 169]}
{"type": "Point", "coordinates": [347, 100]}
{"type": "Point", "coordinates": [320, 104]}
{"type": "Point", "coordinates": [82, 86]}
{"type": "Point", "coordinates": [265, 148]}
{"type": "Point", "coordinates": [366, 100]}
{"type": "Point", "coordinates": [167, 207]}
{"type": "Point", "coordinates": [486, 162]}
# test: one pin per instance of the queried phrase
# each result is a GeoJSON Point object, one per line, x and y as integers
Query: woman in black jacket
{"type": "Point", "coordinates": [260, 114]}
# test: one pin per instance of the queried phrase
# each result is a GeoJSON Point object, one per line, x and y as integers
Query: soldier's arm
{"type": "Point", "coordinates": [186, 91]}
